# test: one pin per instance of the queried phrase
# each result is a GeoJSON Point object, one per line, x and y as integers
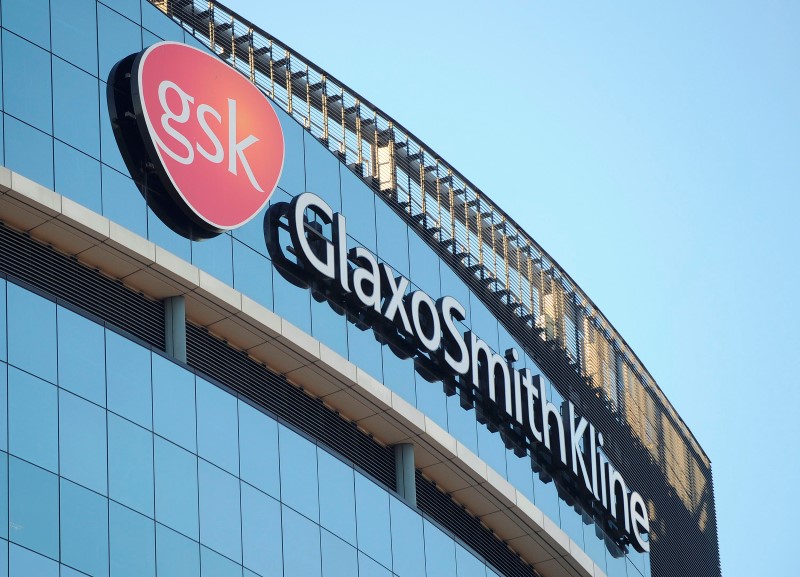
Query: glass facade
{"type": "Point", "coordinates": [119, 461]}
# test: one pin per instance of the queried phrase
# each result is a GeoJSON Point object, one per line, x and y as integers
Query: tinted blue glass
{"type": "Point", "coordinates": [128, 381]}
{"type": "Point", "coordinates": [176, 488]}
{"type": "Point", "coordinates": [571, 523]}
{"type": "Point", "coordinates": [328, 327]}
{"type": "Point", "coordinates": [408, 543]}
{"type": "Point", "coordinates": [453, 286]}
{"type": "Point", "coordinates": [217, 426]}
{"type": "Point", "coordinates": [122, 201]}
{"type": "Point", "coordinates": [372, 520]}
{"type": "Point", "coordinates": [252, 274]}
{"type": "Point", "coordinates": [337, 503]}
{"type": "Point", "coordinates": [176, 556]}
{"type": "Point", "coordinates": [28, 151]}
{"type": "Point", "coordinates": [132, 542]}
{"type": "Point", "coordinates": [81, 356]}
{"type": "Point", "coordinates": [292, 303]}
{"type": "Point", "coordinates": [301, 548]}
{"type": "Point", "coordinates": [27, 82]}
{"type": "Point", "coordinates": [77, 176]}
{"type": "Point", "coordinates": [3, 558]}
{"type": "Point", "coordinates": [547, 499]}
{"type": "Point", "coordinates": [164, 237]}
{"type": "Point", "coordinates": [392, 238]}
{"type": "Point", "coordinates": [368, 567]}
{"type": "Point", "coordinates": [215, 256]}
{"type": "Point", "coordinates": [33, 507]}
{"type": "Point", "coordinates": [261, 532]}
{"type": "Point", "coordinates": [431, 400]}
{"type": "Point", "coordinates": [616, 567]}
{"type": "Point", "coordinates": [492, 450]}
{"type": "Point", "coordinates": [339, 559]}
{"type": "Point", "coordinates": [3, 498]}
{"type": "Point", "coordinates": [3, 343]}
{"type": "Point", "coordinates": [109, 151]}
{"type": "Point", "coordinates": [154, 20]}
{"type": "Point", "coordinates": [28, 18]}
{"type": "Point", "coordinates": [220, 520]}
{"type": "Point", "coordinates": [398, 375]}
{"type": "Point", "coordinates": [258, 449]}
{"type": "Point", "coordinates": [358, 208]}
{"type": "Point", "coordinates": [130, 464]}
{"type": "Point", "coordinates": [424, 265]}
{"type": "Point", "coordinates": [3, 407]}
{"type": "Point", "coordinates": [74, 29]}
{"type": "Point", "coordinates": [128, 8]}
{"type": "Point", "coordinates": [213, 564]}
{"type": "Point", "coordinates": [293, 178]}
{"type": "Point", "coordinates": [322, 173]}
{"type": "Point", "coordinates": [365, 351]}
{"type": "Point", "coordinates": [32, 419]}
{"type": "Point", "coordinates": [298, 473]}
{"type": "Point", "coordinates": [461, 423]}
{"type": "Point", "coordinates": [483, 323]}
{"type": "Point", "coordinates": [31, 333]}
{"type": "Point", "coordinates": [440, 552]}
{"type": "Point", "coordinates": [468, 565]}
{"type": "Point", "coordinates": [84, 529]}
{"type": "Point", "coordinates": [118, 36]}
{"type": "Point", "coordinates": [520, 474]}
{"type": "Point", "coordinates": [174, 403]}
{"type": "Point", "coordinates": [76, 108]}
{"type": "Point", "coordinates": [24, 563]}
{"type": "Point", "coordinates": [82, 448]}
{"type": "Point", "coordinates": [252, 232]}
{"type": "Point", "coordinates": [594, 545]}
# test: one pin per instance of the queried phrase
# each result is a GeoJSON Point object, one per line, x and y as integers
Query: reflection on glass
{"type": "Point", "coordinates": [408, 543]}
{"type": "Point", "coordinates": [440, 552]}
{"type": "Point", "coordinates": [81, 356]}
{"type": "Point", "coordinates": [217, 426]}
{"type": "Point", "coordinates": [74, 29]}
{"type": "Point", "coordinates": [261, 532]}
{"type": "Point", "coordinates": [32, 419]}
{"type": "Point", "coordinates": [132, 541]}
{"type": "Point", "coordinates": [82, 442]}
{"type": "Point", "coordinates": [372, 517]}
{"type": "Point", "coordinates": [128, 380]}
{"type": "Point", "coordinates": [174, 403]}
{"type": "Point", "coordinates": [130, 464]}
{"type": "Point", "coordinates": [220, 521]}
{"type": "Point", "coordinates": [176, 488]}
{"type": "Point", "coordinates": [337, 504]}
{"type": "Point", "coordinates": [301, 547]}
{"type": "Point", "coordinates": [176, 555]}
{"type": "Point", "coordinates": [118, 36]}
{"type": "Point", "coordinates": [77, 125]}
{"type": "Point", "coordinates": [468, 565]}
{"type": "Point", "coordinates": [24, 562]}
{"type": "Point", "coordinates": [26, 90]}
{"type": "Point", "coordinates": [28, 151]}
{"type": "Point", "coordinates": [84, 529]}
{"type": "Point", "coordinates": [339, 559]}
{"type": "Point", "coordinates": [298, 458]}
{"type": "Point", "coordinates": [31, 333]}
{"type": "Point", "coordinates": [258, 449]}
{"type": "Point", "coordinates": [28, 18]}
{"type": "Point", "coordinates": [33, 507]}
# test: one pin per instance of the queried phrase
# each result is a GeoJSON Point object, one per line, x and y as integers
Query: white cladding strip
{"type": "Point", "coordinates": [140, 264]}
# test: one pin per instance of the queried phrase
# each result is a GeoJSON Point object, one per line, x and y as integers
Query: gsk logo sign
{"type": "Point", "coordinates": [203, 144]}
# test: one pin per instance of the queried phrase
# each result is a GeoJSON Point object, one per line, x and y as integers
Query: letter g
{"type": "Point", "coordinates": [180, 117]}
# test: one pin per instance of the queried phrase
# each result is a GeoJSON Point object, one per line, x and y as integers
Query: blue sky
{"type": "Point", "coordinates": [654, 151]}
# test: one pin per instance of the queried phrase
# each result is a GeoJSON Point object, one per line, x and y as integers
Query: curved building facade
{"type": "Point", "coordinates": [271, 333]}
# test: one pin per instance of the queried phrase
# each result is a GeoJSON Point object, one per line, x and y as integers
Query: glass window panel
{"type": "Point", "coordinates": [424, 265]}
{"type": "Point", "coordinates": [461, 423]}
{"type": "Point", "coordinates": [322, 173]}
{"type": "Point", "coordinates": [128, 380]}
{"type": "Point", "coordinates": [520, 474]}
{"type": "Point", "coordinates": [28, 18]}
{"type": "Point", "coordinates": [358, 208]}
{"type": "Point", "coordinates": [337, 502]}
{"type": "Point", "coordinates": [81, 356]}
{"type": "Point", "coordinates": [258, 449]}
{"type": "Point", "coordinates": [453, 286]}
{"type": "Point", "coordinates": [440, 552]}
{"type": "Point", "coordinates": [82, 447]}
{"type": "Point", "coordinates": [109, 151]}
{"type": "Point", "coordinates": [28, 151]}
{"type": "Point", "coordinates": [33, 507]}
{"type": "Point", "coordinates": [3, 407]}
{"type": "Point", "coordinates": [3, 320]}
{"type": "Point", "coordinates": [372, 520]}
{"type": "Point", "coordinates": [32, 332]}
{"type": "Point", "coordinates": [128, 8]}
{"type": "Point", "coordinates": [118, 36]}
{"type": "Point", "coordinates": [547, 499]}
{"type": "Point", "coordinates": [368, 567]}
{"type": "Point", "coordinates": [122, 201]}
{"type": "Point", "coordinates": [292, 302]}
{"type": "Point", "coordinates": [156, 21]}
{"type": "Point", "coordinates": [594, 545]}
{"type": "Point", "coordinates": [220, 520]}
{"type": "Point", "coordinates": [215, 256]}
{"type": "Point", "coordinates": [69, 572]}
{"type": "Point", "coordinates": [74, 29]}
{"type": "Point", "coordinates": [24, 563]}
{"type": "Point", "coordinates": [252, 274]}
{"type": "Point", "coordinates": [215, 565]}
{"type": "Point", "coordinates": [4, 559]}
{"type": "Point", "coordinates": [33, 419]}
{"type": "Point", "coordinates": [130, 464]}
{"type": "Point", "coordinates": [174, 403]}
{"type": "Point", "coordinates": [84, 529]}
{"type": "Point", "coordinates": [468, 564]}
{"type": "Point", "coordinates": [491, 449]}
{"type": "Point", "coordinates": [329, 327]}
{"type": "Point", "coordinates": [571, 523]}
{"type": "Point", "coordinates": [252, 232]}
{"type": "Point", "coordinates": [398, 375]}
{"type": "Point", "coordinates": [176, 488]}
{"type": "Point", "coordinates": [132, 542]}
{"type": "Point", "coordinates": [392, 238]}
{"type": "Point", "coordinates": [165, 237]}
{"type": "Point", "coordinates": [408, 543]}
{"type": "Point", "coordinates": [26, 92]}
{"type": "Point", "coordinates": [76, 108]}
{"type": "Point", "coordinates": [483, 323]}
{"type": "Point", "coordinates": [301, 548]}
{"type": "Point", "coordinates": [176, 556]}
{"type": "Point", "coordinates": [217, 426]}
{"type": "Point", "coordinates": [293, 177]}
{"type": "Point", "coordinates": [431, 399]}
{"type": "Point", "coordinates": [615, 566]}
{"type": "Point", "coordinates": [261, 532]}
{"type": "Point", "coordinates": [77, 176]}
{"type": "Point", "coordinates": [339, 559]}
{"type": "Point", "coordinates": [3, 498]}
{"type": "Point", "coordinates": [365, 350]}
{"type": "Point", "coordinates": [298, 473]}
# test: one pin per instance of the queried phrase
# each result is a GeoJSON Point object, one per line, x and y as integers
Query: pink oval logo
{"type": "Point", "coordinates": [215, 139]}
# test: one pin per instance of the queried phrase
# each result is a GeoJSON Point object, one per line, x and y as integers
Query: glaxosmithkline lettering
{"type": "Point", "coordinates": [412, 324]}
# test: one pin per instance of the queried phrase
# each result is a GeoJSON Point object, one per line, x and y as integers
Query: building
{"type": "Point", "coordinates": [243, 405]}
